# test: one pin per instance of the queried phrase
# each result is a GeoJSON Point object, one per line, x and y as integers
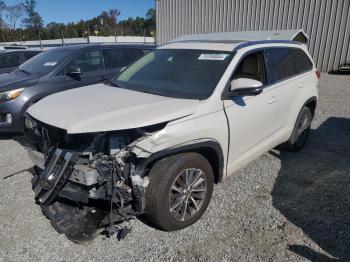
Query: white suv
{"type": "Point", "coordinates": [158, 137]}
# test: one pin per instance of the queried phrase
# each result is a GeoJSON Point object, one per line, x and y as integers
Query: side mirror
{"type": "Point", "coordinates": [245, 87]}
{"type": "Point", "coordinates": [74, 71]}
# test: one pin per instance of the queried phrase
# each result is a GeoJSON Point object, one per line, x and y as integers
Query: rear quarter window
{"type": "Point", "coordinates": [10, 60]}
{"type": "Point", "coordinates": [29, 55]}
{"type": "Point", "coordinates": [302, 61]}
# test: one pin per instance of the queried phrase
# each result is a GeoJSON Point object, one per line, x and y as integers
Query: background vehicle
{"type": "Point", "coordinates": [175, 122]}
{"type": "Point", "coordinates": [10, 59]}
{"type": "Point", "coordinates": [57, 70]}
{"type": "Point", "coordinates": [13, 47]}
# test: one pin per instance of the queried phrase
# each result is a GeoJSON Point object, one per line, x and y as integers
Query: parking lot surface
{"type": "Point", "coordinates": [282, 207]}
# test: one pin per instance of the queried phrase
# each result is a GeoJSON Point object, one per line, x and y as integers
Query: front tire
{"type": "Point", "coordinates": [179, 191]}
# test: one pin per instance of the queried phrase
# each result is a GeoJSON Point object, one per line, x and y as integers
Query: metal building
{"type": "Point", "coordinates": [326, 22]}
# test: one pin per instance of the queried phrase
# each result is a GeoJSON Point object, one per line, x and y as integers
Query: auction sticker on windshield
{"type": "Point", "coordinates": [217, 57]}
{"type": "Point", "coordinates": [50, 63]}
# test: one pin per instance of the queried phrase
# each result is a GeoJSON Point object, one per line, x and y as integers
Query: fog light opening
{"type": "Point", "coordinates": [8, 118]}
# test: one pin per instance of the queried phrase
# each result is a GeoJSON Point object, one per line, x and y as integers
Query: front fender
{"type": "Point", "coordinates": [211, 149]}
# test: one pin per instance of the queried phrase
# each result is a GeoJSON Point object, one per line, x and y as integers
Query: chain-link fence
{"type": "Point", "coordinates": [81, 40]}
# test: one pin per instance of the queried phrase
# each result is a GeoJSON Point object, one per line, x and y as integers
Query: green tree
{"type": "Point", "coordinates": [2, 8]}
{"type": "Point", "coordinates": [13, 13]}
{"type": "Point", "coordinates": [55, 30]}
{"type": "Point", "coordinates": [150, 23]}
{"type": "Point", "coordinates": [33, 20]}
{"type": "Point", "coordinates": [106, 23]}
{"type": "Point", "coordinates": [151, 14]}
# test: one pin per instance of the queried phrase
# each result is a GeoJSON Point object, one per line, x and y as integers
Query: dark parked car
{"type": "Point", "coordinates": [10, 59]}
{"type": "Point", "coordinates": [57, 70]}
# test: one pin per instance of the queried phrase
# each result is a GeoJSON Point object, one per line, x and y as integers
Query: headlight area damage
{"type": "Point", "coordinates": [88, 181]}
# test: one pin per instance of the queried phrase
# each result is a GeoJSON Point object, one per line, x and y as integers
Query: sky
{"type": "Point", "coordinates": [64, 11]}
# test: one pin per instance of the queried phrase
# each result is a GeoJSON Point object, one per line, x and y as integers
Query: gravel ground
{"type": "Point", "coordinates": [282, 207]}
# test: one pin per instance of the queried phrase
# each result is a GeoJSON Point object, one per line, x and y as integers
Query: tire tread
{"type": "Point", "coordinates": [160, 174]}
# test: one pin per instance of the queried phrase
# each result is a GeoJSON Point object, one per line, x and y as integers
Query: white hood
{"type": "Point", "coordinates": [102, 107]}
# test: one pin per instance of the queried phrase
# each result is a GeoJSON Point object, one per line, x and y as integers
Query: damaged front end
{"type": "Point", "coordinates": [88, 181]}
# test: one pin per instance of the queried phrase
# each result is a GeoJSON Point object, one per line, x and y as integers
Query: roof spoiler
{"type": "Point", "coordinates": [297, 35]}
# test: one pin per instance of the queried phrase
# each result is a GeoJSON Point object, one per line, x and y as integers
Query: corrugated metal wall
{"type": "Point", "coordinates": [326, 22]}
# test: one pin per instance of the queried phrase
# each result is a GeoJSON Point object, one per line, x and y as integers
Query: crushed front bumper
{"type": "Point", "coordinates": [51, 180]}
{"type": "Point", "coordinates": [37, 158]}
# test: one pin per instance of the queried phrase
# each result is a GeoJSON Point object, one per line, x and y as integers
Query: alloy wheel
{"type": "Point", "coordinates": [303, 130]}
{"type": "Point", "coordinates": [187, 194]}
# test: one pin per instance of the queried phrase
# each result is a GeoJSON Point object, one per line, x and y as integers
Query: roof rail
{"type": "Point", "coordinates": [297, 35]}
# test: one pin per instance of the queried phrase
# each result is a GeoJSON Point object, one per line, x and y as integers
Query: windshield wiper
{"type": "Point", "coordinates": [24, 71]}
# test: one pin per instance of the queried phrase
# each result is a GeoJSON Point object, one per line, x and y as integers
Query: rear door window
{"type": "Point", "coordinates": [3, 61]}
{"type": "Point", "coordinates": [88, 61]}
{"type": "Point", "coordinates": [280, 64]}
{"type": "Point", "coordinates": [284, 62]}
{"type": "Point", "coordinates": [119, 57]}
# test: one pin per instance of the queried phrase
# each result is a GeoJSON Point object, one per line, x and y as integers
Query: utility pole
{"type": "Point", "coordinates": [41, 44]}
{"type": "Point", "coordinates": [101, 24]}
{"type": "Point", "coordinates": [63, 43]}
{"type": "Point", "coordinates": [115, 13]}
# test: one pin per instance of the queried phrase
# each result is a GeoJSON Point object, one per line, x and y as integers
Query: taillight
{"type": "Point", "coordinates": [318, 74]}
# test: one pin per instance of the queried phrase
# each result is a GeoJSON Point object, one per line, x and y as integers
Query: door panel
{"type": "Point", "coordinates": [251, 118]}
{"type": "Point", "coordinates": [92, 67]}
{"type": "Point", "coordinates": [91, 64]}
{"type": "Point", "coordinates": [252, 124]}
{"type": "Point", "coordinates": [286, 67]}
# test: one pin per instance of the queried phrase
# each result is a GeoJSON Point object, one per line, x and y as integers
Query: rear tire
{"type": "Point", "coordinates": [179, 191]}
{"type": "Point", "coordinates": [301, 131]}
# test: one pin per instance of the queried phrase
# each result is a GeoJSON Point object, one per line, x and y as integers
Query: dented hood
{"type": "Point", "coordinates": [101, 107]}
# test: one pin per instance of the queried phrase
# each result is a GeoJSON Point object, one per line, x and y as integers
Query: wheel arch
{"type": "Point", "coordinates": [311, 103]}
{"type": "Point", "coordinates": [211, 150]}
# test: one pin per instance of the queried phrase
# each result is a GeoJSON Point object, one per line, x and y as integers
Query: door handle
{"type": "Point", "coordinates": [301, 85]}
{"type": "Point", "coordinates": [273, 100]}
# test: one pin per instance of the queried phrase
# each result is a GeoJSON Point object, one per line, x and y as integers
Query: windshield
{"type": "Point", "coordinates": [45, 62]}
{"type": "Point", "coordinates": [180, 73]}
